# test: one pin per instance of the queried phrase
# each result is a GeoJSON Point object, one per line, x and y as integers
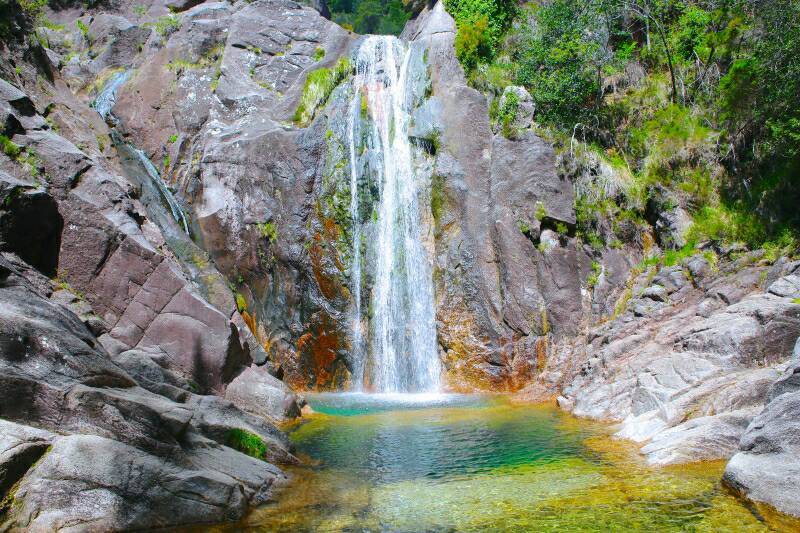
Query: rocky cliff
{"type": "Point", "coordinates": [117, 338]}
{"type": "Point", "coordinates": [188, 239]}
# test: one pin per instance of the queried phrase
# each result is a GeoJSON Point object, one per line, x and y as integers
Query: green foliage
{"type": "Point", "coordinates": [507, 114]}
{"type": "Point", "coordinates": [437, 197]}
{"type": "Point", "coordinates": [247, 442]}
{"type": "Point", "coordinates": [540, 211]}
{"type": "Point", "coordinates": [167, 24]}
{"type": "Point", "coordinates": [473, 42]}
{"type": "Point", "coordinates": [560, 57]}
{"type": "Point", "coordinates": [671, 257]}
{"type": "Point", "coordinates": [84, 29]}
{"type": "Point", "coordinates": [268, 230]}
{"type": "Point", "coordinates": [594, 277]}
{"type": "Point", "coordinates": [241, 302]}
{"type": "Point", "coordinates": [384, 17]}
{"type": "Point", "coordinates": [481, 25]}
{"type": "Point", "coordinates": [319, 85]}
{"type": "Point", "coordinates": [172, 138]}
{"type": "Point", "coordinates": [319, 53]}
{"type": "Point", "coordinates": [32, 8]}
{"type": "Point", "coordinates": [10, 148]}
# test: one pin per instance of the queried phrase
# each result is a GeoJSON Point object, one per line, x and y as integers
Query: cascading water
{"type": "Point", "coordinates": [103, 104]}
{"type": "Point", "coordinates": [108, 96]}
{"type": "Point", "coordinates": [401, 342]}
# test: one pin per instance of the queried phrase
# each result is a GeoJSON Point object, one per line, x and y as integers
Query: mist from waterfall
{"type": "Point", "coordinates": [398, 351]}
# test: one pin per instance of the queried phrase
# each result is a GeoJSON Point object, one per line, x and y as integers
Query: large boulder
{"type": "Point", "coordinates": [767, 467]}
{"type": "Point", "coordinates": [260, 393]}
{"type": "Point", "coordinates": [87, 482]}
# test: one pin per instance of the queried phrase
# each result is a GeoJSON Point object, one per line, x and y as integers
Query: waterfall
{"type": "Point", "coordinates": [108, 96]}
{"type": "Point", "coordinates": [401, 344]}
{"type": "Point", "coordinates": [166, 195]}
{"type": "Point", "coordinates": [103, 104]}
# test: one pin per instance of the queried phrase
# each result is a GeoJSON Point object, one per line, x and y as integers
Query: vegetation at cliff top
{"type": "Point", "coordinates": [695, 103]}
{"type": "Point", "coordinates": [386, 17]}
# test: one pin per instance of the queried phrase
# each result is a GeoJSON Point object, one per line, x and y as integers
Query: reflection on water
{"type": "Point", "coordinates": [471, 463]}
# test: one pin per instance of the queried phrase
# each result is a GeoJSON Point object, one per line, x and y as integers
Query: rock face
{"type": "Point", "coordinates": [113, 323]}
{"type": "Point", "coordinates": [71, 417]}
{"type": "Point", "coordinates": [215, 99]}
{"type": "Point", "coordinates": [498, 291]}
{"type": "Point", "coordinates": [687, 363]}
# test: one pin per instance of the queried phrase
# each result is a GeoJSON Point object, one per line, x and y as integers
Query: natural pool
{"type": "Point", "coordinates": [472, 463]}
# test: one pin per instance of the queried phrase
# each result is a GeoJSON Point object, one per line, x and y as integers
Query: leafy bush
{"type": "Point", "coordinates": [508, 114]}
{"type": "Point", "coordinates": [268, 230]}
{"type": "Point", "coordinates": [387, 17]}
{"type": "Point", "coordinates": [481, 25]}
{"type": "Point", "coordinates": [9, 147]}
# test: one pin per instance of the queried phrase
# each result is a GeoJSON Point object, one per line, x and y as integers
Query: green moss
{"type": "Point", "coordinates": [247, 442]}
{"type": "Point", "coordinates": [544, 321]}
{"type": "Point", "coordinates": [594, 277]}
{"type": "Point", "coordinates": [319, 53]}
{"type": "Point", "coordinates": [268, 230]}
{"type": "Point", "coordinates": [210, 58]}
{"type": "Point", "coordinates": [215, 80]}
{"type": "Point", "coordinates": [10, 148]}
{"type": "Point", "coordinates": [319, 85]}
{"type": "Point", "coordinates": [524, 227]}
{"type": "Point", "coordinates": [540, 211]}
{"type": "Point", "coordinates": [437, 197]}
{"type": "Point", "coordinates": [84, 29]}
{"type": "Point", "coordinates": [172, 138]}
{"type": "Point", "coordinates": [364, 106]}
{"type": "Point", "coordinates": [796, 301]}
{"type": "Point", "coordinates": [167, 24]}
{"type": "Point", "coordinates": [241, 302]}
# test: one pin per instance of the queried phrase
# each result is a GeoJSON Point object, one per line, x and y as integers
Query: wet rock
{"type": "Point", "coordinates": [20, 447]}
{"type": "Point", "coordinates": [698, 439]}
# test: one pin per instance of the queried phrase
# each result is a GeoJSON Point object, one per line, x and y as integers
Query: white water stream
{"type": "Point", "coordinates": [399, 353]}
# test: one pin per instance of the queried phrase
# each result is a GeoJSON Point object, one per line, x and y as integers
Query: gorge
{"type": "Point", "coordinates": [498, 272]}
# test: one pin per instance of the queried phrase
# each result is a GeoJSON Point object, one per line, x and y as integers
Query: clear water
{"type": "Point", "coordinates": [481, 463]}
{"type": "Point", "coordinates": [400, 352]}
